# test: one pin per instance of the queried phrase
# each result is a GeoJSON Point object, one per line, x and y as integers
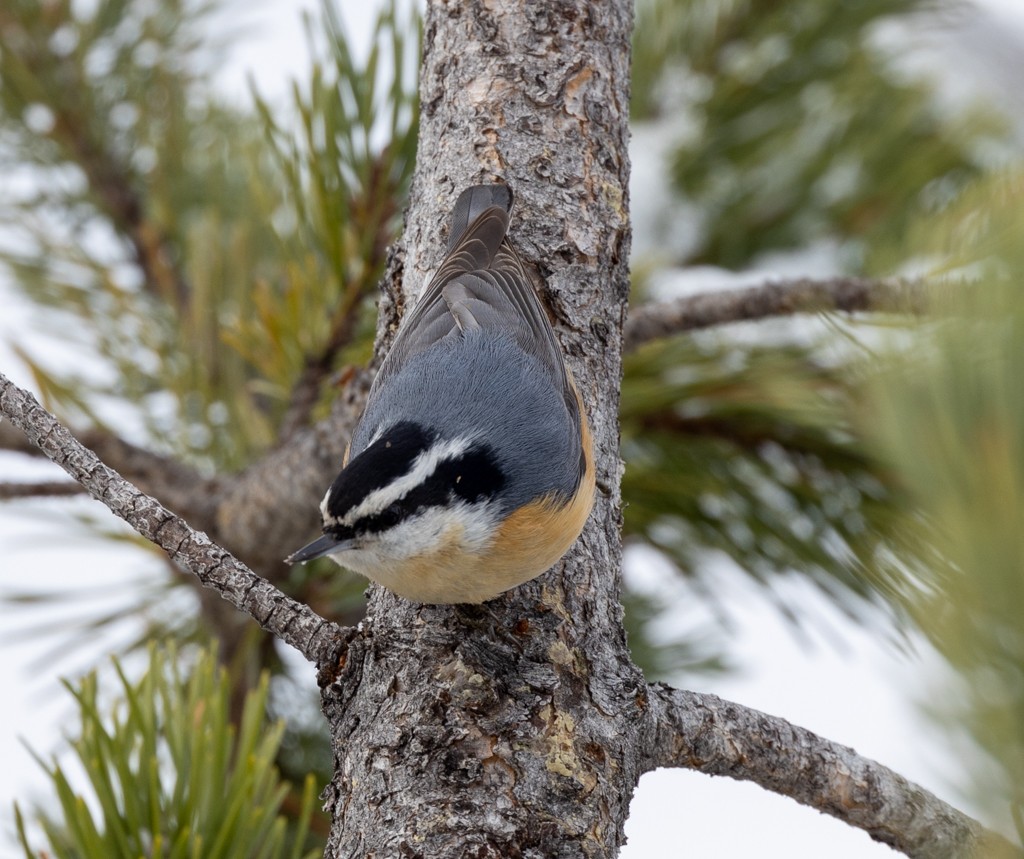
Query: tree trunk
{"type": "Point", "coordinates": [518, 728]}
{"type": "Point", "coordinates": [510, 729]}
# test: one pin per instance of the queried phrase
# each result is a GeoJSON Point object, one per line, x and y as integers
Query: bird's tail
{"type": "Point", "coordinates": [472, 203]}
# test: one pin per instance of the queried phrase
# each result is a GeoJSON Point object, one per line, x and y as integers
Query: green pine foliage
{"type": "Point", "coordinates": [749, 450]}
{"type": "Point", "coordinates": [346, 177]}
{"type": "Point", "coordinates": [154, 221]}
{"type": "Point", "coordinates": [796, 126]}
{"type": "Point", "coordinates": [238, 254]}
{"type": "Point", "coordinates": [947, 412]}
{"type": "Point", "coordinates": [201, 259]}
{"type": "Point", "coordinates": [214, 264]}
{"type": "Point", "coordinates": [793, 126]}
{"type": "Point", "coordinates": [168, 776]}
{"type": "Point", "coordinates": [194, 249]}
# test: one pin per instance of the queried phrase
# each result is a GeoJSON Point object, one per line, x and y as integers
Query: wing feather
{"type": "Point", "coordinates": [482, 284]}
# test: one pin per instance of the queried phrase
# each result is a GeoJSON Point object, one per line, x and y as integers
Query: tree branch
{"type": "Point", "coordinates": [265, 512]}
{"type": "Point", "coordinates": [778, 298]}
{"type": "Point", "coordinates": [180, 487]}
{"type": "Point", "coordinates": [291, 621]}
{"type": "Point", "coordinates": [39, 489]}
{"type": "Point", "coordinates": [262, 514]}
{"type": "Point", "coordinates": [704, 733]}
{"type": "Point", "coordinates": [751, 434]}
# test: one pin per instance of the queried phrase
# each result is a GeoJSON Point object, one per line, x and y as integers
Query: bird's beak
{"type": "Point", "coordinates": [326, 545]}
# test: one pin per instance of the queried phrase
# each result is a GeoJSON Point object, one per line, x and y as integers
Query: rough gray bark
{"type": "Point", "coordinates": [519, 728]}
{"type": "Point", "coordinates": [294, 623]}
{"type": "Point", "coordinates": [498, 707]}
{"type": "Point", "coordinates": [510, 730]}
{"type": "Point", "coordinates": [779, 298]}
{"type": "Point", "coordinates": [705, 733]}
{"type": "Point", "coordinates": [260, 515]}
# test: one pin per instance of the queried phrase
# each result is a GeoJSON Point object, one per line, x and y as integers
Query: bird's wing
{"type": "Point", "coordinates": [481, 284]}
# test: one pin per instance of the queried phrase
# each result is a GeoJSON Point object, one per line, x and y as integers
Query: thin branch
{"type": "Point", "coordinates": [14, 441]}
{"type": "Point", "coordinates": [178, 485]}
{"type": "Point", "coordinates": [705, 733]}
{"type": "Point", "coordinates": [294, 623]}
{"type": "Point", "coordinates": [261, 514]}
{"type": "Point", "coordinates": [778, 298]}
{"type": "Point", "coordinates": [751, 434]}
{"type": "Point", "coordinates": [39, 489]}
{"type": "Point", "coordinates": [267, 511]}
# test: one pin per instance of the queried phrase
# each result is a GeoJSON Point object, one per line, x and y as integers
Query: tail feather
{"type": "Point", "coordinates": [472, 203]}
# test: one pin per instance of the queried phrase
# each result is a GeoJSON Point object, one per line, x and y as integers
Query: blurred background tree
{"type": "Point", "coordinates": [947, 410]}
{"type": "Point", "coordinates": [213, 270]}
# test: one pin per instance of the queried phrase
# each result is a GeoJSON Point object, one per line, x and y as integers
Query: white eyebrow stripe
{"type": "Point", "coordinates": [422, 468]}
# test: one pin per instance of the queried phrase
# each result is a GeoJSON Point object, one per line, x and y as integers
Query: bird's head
{"type": "Point", "coordinates": [410, 493]}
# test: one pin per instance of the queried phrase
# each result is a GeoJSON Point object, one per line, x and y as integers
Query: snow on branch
{"type": "Point", "coordinates": [291, 621]}
{"type": "Point", "coordinates": [705, 733]}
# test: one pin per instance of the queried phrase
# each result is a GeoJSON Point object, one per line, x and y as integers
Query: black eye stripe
{"type": "Point", "coordinates": [471, 477]}
{"type": "Point", "coordinates": [387, 459]}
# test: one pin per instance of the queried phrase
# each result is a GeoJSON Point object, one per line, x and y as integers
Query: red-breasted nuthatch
{"type": "Point", "coordinates": [471, 470]}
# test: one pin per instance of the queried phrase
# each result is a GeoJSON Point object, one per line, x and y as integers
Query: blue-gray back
{"type": "Point", "coordinates": [478, 353]}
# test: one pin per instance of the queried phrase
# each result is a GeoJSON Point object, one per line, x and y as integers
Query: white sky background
{"type": "Point", "coordinates": [837, 679]}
